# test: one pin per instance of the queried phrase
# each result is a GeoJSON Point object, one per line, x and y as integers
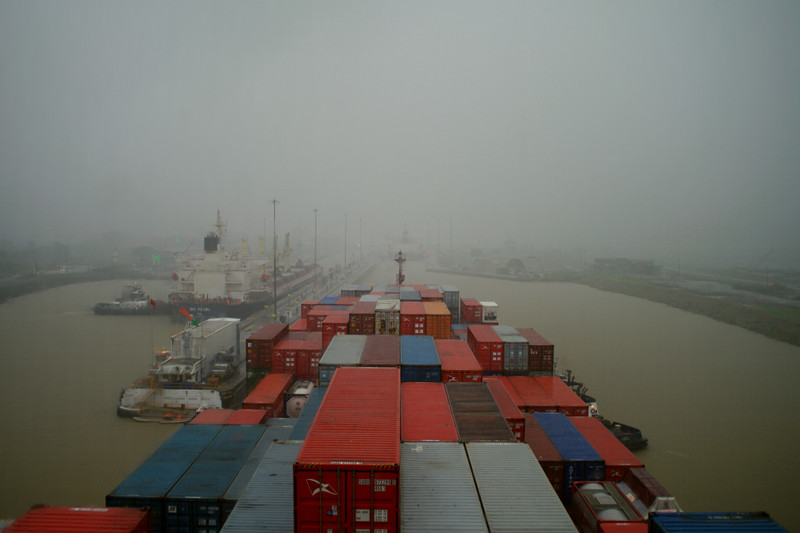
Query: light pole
{"type": "Point", "coordinates": [274, 261]}
{"type": "Point", "coordinates": [345, 243]}
{"type": "Point", "coordinates": [315, 252]}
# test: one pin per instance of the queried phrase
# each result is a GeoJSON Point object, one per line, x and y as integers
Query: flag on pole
{"type": "Point", "coordinates": [185, 313]}
{"type": "Point", "coordinates": [153, 303]}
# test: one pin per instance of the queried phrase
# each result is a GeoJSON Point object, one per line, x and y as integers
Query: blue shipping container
{"type": "Point", "coordinates": [149, 484]}
{"type": "Point", "coordinates": [581, 461]}
{"type": "Point", "coordinates": [308, 413]}
{"type": "Point", "coordinates": [699, 522]}
{"type": "Point", "coordinates": [194, 503]}
{"type": "Point", "coordinates": [419, 360]}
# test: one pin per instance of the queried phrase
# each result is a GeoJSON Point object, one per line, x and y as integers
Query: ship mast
{"type": "Point", "coordinates": [400, 258]}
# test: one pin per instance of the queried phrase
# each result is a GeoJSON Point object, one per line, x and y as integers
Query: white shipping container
{"type": "Point", "coordinates": [438, 492]}
{"type": "Point", "coordinates": [514, 490]}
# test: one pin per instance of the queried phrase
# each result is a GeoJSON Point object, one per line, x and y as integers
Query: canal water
{"type": "Point", "coordinates": [714, 400]}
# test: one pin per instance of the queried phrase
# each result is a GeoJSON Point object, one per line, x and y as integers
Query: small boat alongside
{"type": "Point", "coordinates": [632, 437]}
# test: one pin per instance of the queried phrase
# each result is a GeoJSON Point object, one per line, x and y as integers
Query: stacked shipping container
{"type": "Point", "coordinates": [346, 473]}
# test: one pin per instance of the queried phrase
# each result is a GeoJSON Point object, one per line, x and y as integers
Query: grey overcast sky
{"type": "Point", "coordinates": [663, 129]}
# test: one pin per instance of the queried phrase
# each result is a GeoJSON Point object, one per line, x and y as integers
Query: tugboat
{"type": "Point", "coordinates": [630, 436]}
{"type": "Point", "coordinates": [133, 301]}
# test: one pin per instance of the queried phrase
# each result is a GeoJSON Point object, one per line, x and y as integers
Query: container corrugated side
{"type": "Point", "coordinates": [279, 430]}
{"type": "Point", "coordinates": [105, 519]}
{"type": "Point", "coordinates": [412, 318]}
{"type": "Point", "coordinates": [149, 484]}
{"type": "Point", "coordinates": [426, 414]}
{"type": "Point", "coordinates": [581, 461]}
{"type": "Point", "coordinates": [700, 522]}
{"type": "Point", "coordinates": [514, 491]}
{"type": "Point", "coordinates": [195, 500]}
{"type": "Point", "coordinates": [437, 319]}
{"type": "Point", "coordinates": [267, 505]}
{"type": "Point", "coordinates": [438, 492]}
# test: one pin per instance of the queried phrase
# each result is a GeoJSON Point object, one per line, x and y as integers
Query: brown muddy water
{"type": "Point", "coordinates": [714, 400]}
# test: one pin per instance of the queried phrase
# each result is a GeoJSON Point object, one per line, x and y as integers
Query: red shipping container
{"type": "Point", "coordinates": [508, 407]}
{"type": "Point", "coordinates": [430, 294]}
{"type": "Point", "coordinates": [301, 324]}
{"type": "Point", "coordinates": [247, 417]}
{"type": "Point", "coordinates": [212, 416]}
{"type": "Point", "coordinates": [458, 362]}
{"type": "Point", "coordinates": [381, 350]}
{"type": "Point", "coordinates": [645, 486]}
{"type": "Point", "coordinates": [425, 413]}
{"type": "Point", "coordinates": [412, 318]}
{"type": "Point", "coordinates": [618, 458]}
{"type": "Point", "coordinates": [534, 398]}
{"type": "Point", "coordinates": [307, 306]}
{"type": "Point", "coordinates": [437, 320]}
{"type": "Point", "coordinates": [348, 300]}
{"type": "Point", "coordinates": [269, 394]}
{"type": "Point", "coordinates": [334, 324]}
{"type": "Point", "coordinates": [346, 474]}
{"type": "Point", "coordinates": [107, 519]}
{"type": "Point", "coordinates": [316, 316]}
{"type": "Point", "coordinates": [308, 358]}
{"type": "Point", "coordinates": [545, 451]}
{"type": "Point", "coordinates": [362, 318]}
{"type": "Point", "coordinates": [566, 400]}
{"type": "Point", "coordinates": [541, 352]}
{"type": "Point", "coordinates": [471, 311]}
{"type": "Point", "coordinates": [259, 345]}
{"type": "Point", "coordinates": [299, 357]}
{"type": "Point", "coordinates": [487, 347]}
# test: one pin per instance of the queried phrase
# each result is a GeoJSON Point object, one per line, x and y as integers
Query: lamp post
{"type": "Point", "coordinates": [345, 243]}
{"type": "Point", "coordinates": [274, 261]}
{"type": "Point", "coordinates": [315, 252]}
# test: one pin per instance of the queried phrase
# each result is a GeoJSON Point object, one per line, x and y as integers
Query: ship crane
{"type": "Point", "coordinates": [400, 258]}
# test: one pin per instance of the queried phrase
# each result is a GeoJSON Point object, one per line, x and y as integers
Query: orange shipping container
{"type": "Point", "coordinates": [437, 320]}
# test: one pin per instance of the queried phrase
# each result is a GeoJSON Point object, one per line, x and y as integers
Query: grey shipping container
{"type": "Point", "coordinates": [267, 504]}
{"type": "Point", "coordinates": [514, 491]}
{"type": "Point", "coordinates": [515, 349]}
{"type": "Point", "coordinates": [437, 492]}
{"type": "Point", "coordinates": [277, 429]}
{"type": "Point", "coordinates": [344, 350]}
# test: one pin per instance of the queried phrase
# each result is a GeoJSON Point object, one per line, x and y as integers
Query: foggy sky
{"type": "Point", "coordinates": [666, 130]}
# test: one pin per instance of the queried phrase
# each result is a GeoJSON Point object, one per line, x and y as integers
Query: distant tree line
{"type": "Point", "coordinates": [782, 323]}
